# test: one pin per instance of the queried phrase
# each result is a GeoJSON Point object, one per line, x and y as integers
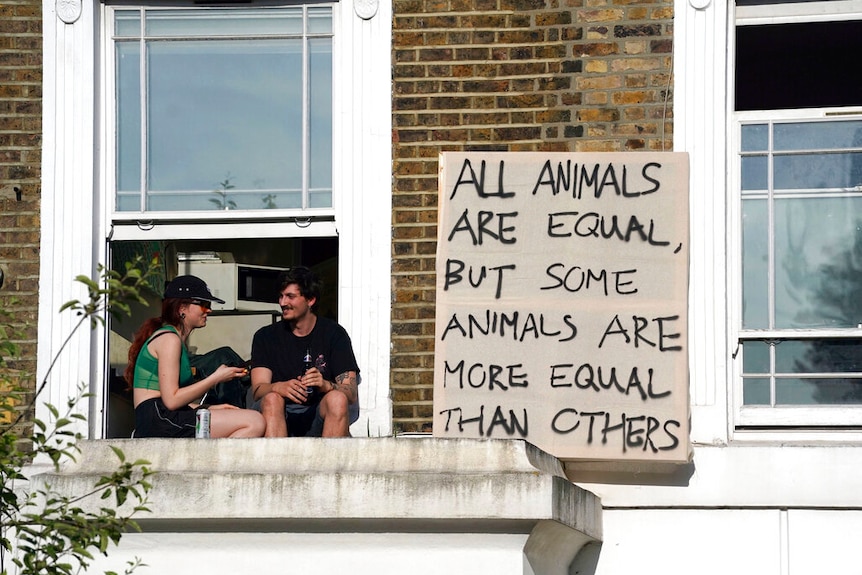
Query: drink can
{"type": "Point", "coordinates": [202, 423]}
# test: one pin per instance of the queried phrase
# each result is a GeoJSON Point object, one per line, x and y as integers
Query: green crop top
{"type": "Point", "coordinates": [147, 366]}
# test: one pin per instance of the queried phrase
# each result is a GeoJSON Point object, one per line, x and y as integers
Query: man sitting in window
{"type": "Point", "coordinates": [304, 372]}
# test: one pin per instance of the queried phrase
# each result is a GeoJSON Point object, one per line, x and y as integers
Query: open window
{"type": "Point", "coordinates": [240, 271]}
{"type": "Point", "coordinates": [218, 161]}
{"type": "Point", "coordinates": [797, 168]}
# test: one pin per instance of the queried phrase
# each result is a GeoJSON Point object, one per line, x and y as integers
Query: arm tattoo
{"type": "Point", "coordinates": [346, 382]}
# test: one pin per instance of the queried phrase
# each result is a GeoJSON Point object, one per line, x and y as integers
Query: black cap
{"type": "Point", "coordinates": [190, 287]}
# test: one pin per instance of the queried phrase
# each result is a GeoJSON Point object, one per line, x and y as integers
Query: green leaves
{"type": "Point", "coordinates": [114, 292]}
{"type": "Point", "coordinates": [55, 534]}
{"type": "Point", "coordinates": [42, 530]}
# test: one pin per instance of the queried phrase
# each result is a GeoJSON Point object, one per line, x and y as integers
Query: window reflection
{"type": "Point", "coordinates": [820, 391]}
{"type": "Point", "coordinates": [818, 356]}
{"type": "Point", "coordinates": [229, 122]}
{"type": "Point", "coordinates": [816, 243]}
{"type": "Point", "coordinates": [755, 264]}
{"type": "Point", "coordinates": [802, 369]}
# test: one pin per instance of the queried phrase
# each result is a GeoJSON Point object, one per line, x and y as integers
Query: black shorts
{"type": "Point", "coordinates": [153, 419]}
{"type": "Point", "coordinates": [305, 423]}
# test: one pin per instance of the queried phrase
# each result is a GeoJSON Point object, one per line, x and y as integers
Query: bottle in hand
{"type": "Point", "coordinates": [307, 364]}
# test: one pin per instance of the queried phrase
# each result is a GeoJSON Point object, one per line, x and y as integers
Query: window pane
{"type": "Point", "coordinates": [818, 171]}
{"type": "Point", "coordinates": [820, 391]}
{"type": "Point", "coordinates": [818, 356]}
{"type": "Point", "coordinates": [755, 137]}
{"type": "Point", "coordinates": [232, 124]}
{"type": "Point", "coordinates": [127, 23]}
{"type": "Point", "coordinates": [319, 20]}
{"type": "Point", "coordinates": [755, 391]}
{"type": "Point", "coordinates": [755, 357]}
{"type": "Point", "coordinates": [755, 265]}
{"type": "Point", "coordinates": [128, 126]}
{"type": "Point", "coordinates": [817, 135]}
{"type": "Point", "coordinates": [818, 262]}
{"type": "Point", "coordinates": [259, 22]}
{"type": "Point", "coordinates": [320, 121]}
{"type": "Point", "coordinates": [755, 173]}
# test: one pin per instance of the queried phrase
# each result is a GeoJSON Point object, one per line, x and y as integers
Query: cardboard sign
{"type": "Point", "coordinates": [562, 285]}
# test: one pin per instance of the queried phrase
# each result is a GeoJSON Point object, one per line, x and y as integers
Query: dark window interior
{"type": "Point", "coordinates": [800, 65]}
{"type": "Point", "coordinates": [233, 328]}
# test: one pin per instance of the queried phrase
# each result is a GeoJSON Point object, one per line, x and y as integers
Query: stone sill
{"type": "Point", "coordinates": [369, 484]}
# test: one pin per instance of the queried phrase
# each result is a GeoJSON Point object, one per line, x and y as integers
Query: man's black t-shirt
{"type": "Point", "coordinates": [275, 347]}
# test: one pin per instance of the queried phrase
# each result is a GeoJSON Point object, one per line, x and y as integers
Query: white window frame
{"type": "Point", "coordinates": [759, 418]}
{"type": "Point", "coordinates": [74, 227]}
{"type": "Point", "coordinates": [308, 217]}
{"type": "Point", "coordinates": [189, 225]}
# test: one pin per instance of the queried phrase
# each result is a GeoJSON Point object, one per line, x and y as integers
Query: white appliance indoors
{"type": "Point", "coordinates": [243, 287]}
{"type": "Point", "coordinates": [250, 295]}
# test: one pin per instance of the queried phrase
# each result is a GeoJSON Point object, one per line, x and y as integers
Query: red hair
{"type": "Point", "coordinates": [170, 316]}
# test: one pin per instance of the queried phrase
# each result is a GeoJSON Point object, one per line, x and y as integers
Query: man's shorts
{"type": "Point", "coordinates": [153, 419]}
{"type": "Point", "coordinates": [305, 423]}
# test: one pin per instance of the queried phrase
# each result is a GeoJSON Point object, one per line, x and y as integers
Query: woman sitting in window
{"type": "Point", "coordinates": [162, 379]}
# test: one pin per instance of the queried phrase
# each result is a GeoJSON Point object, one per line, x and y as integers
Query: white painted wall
{"type": "Point", "coordinates": [739, 541]}
{"type": "Point", "coordinates": [321, 553]}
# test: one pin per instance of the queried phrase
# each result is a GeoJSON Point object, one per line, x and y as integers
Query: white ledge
{"type": "Point", "coordinates": [345, 484]}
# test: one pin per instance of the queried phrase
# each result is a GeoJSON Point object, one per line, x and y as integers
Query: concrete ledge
{"type": "Point", "coordinates": [432, 481]}
{"type": "Point", "coordinates": [305, 454]}
{"type": "Point", "coordinates": [473, 492]}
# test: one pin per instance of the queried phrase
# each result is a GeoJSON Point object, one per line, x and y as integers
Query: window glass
{"type": "Point", "coordinates": [755, 173]}
{"type": "Point", "coordinates": [128, 126]}
{"type": "Point", "coordinates": [818, 262]}
{"type": "Point", "coordinates": [233, 106]}
{"type": "Point", "coordinates": [755, 265]}
{"type": "Point", "coordinates": [818, 391]}
{"type": "Point", "coordinates": [813, 135]}
{"type": "Point", "coordinates": [806, 372]}
{"type": "Point", "coordinates": [801, 224]}
{"type": "Point", "coordinates": [804, 232]}
{"type": "Point", "coordinates": [756, 357]}
{"type": "Point", "coordinates": [756, 391]}
{"type": "Point", "coordinates": [255, 22]}
{"type": "Point", "coordinates": [755, 137]}
{"type": "Point", "coordinates": [818, 356]}
{"type": "Point", "coordinates": [320, 122]}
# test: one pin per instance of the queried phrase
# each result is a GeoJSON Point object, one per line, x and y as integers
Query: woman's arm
{"type": "Point", "coordinates": [167, 350]}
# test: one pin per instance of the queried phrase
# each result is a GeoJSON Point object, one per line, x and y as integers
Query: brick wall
{"type": "Point", "coordinates": [20, 161]}
{"type": "Point", "coordinates": [511, 75]}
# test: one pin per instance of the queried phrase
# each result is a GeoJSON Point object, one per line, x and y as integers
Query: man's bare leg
{"type": "Point", "coordinates": [334, 411]}
{"type": "Point", "coordinates": [272, 408]}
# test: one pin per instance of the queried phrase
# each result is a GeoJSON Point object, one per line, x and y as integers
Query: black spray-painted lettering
{"type": "Point", "coordinates": [604, 379]}
{"type": "Point", "coordinates": [479, 375]}
{"type": "Point", "coordinates": [575, 179]}
{"type": "Point", "coordinates": [596, 225]}
{"type": "Point", "coordinates": [510, 424]}
{"type": "Point", "coordinates": [641, 324]}
{"type": "Point", "coordinates": [643, 432]}
{"type": "Point", "coordinates": [478, 183]}
{"type": "Point", "coordinates": [454, 275]}
{"type": "Point", "coordinates": [516, 325]}
{"type": "Point", "coordinates": [576, 278]}
{"type": "Point", "coordinates": [483, 228]}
